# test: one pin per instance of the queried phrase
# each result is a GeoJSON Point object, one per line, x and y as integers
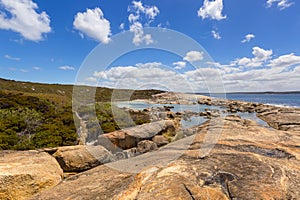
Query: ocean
{"type": "Point", "coordinates": [281, 99]}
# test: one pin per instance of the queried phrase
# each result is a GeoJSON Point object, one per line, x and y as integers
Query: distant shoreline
{"type": "Point", "coordinates": [286, 92]}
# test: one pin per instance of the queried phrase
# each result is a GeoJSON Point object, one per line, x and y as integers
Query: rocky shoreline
{"type": "Point", "coordinates": [226, 157]}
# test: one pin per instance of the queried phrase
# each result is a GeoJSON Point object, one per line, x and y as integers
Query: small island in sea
{"type": "Point", "coordinates": [196, 145]}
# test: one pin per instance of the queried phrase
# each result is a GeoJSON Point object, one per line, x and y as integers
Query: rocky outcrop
{"type": "Point", "coordinates": [81, 158]}
{"type": "Point", "coordinates": [176, 98]}
{"type": "Point", "coordinates": [228, 158]}
{"type": "Point", "coordinates": [23, 174]}
{"type": "Point", "coordinates": [286, 119]}
{"type": "Point", "coordinates": [280, 118]}
{"type": "Point", "coordinates": [129, 138]}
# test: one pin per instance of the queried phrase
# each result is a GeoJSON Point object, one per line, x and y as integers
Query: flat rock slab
{"type": "Point", "coordinates": [24, 173]}
{"type": "Point", "coordinates": [286, 119]}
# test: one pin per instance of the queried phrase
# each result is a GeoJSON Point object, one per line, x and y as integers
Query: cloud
{"type": "Point", "coordinates": [248, 37]}
{"type": "Point", "coordinates": [93, 24]}
{"type": "Point", "coordinates": [36, 68]}
{"type": "Point", "coordinates": [261, 54]}
{"type": "Point", "coordinates": [133, 18]}
{"type": "Point", "coordinates": [285, 61]}
{"type": "Point", "coordinates": [149, 64]}
{"type": "Point", "coordinates": [66, 67]}
{"type": "Point", "coordinates": [260, 57]}
{"type": "Point", "coordinates": [150, 11]}
{"type": "Point", "coordinates": [91, 79]}
{"type": "Point", "coordinates": [212, 9]}
{"type": "Point", "coordinates": [261, 73]}
{"type": "Point", "coordinates": [139, 35]}
{"type": "Point", "coordinates": [138, 11]}
{"type": "Point", "coordinates": [216, 35]}
{"type": "Point", "coordinates": [143, 75]}
{"type": "Point", "coordinates": [281, 4]}
{"type": "Point", "coordinates": [193, 56]}
{"type": "Point", "coordinates": [203, 73]}
{"type": "Point", "coordinates": [122, 26]}
{"type": "Point", "coordinates": [129, 72]}
{"type": "Point", "coordinates": [270, 76]}
{"type": "Point", "coordinates": [11, 58]}
{"type": "Point", "coordinates": [20, 16]}
{"type": "Point", "coordinates": [179, 65]}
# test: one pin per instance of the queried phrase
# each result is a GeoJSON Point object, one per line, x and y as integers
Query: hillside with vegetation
{"type": "Point", "coordinates": [34, 115]}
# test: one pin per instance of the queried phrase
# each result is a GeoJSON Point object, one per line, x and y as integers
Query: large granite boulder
{"type": "Point", "coordinates": [80, 158]}
{"type": "Point", "coordinates": [245, 162]}
{"type": "Point", "coordinates": [129, 138]}
{"type": "Point", "coordinates": [24, 173]}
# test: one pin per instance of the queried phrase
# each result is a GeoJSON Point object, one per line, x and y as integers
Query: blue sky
{"type": "Point", "coordinates": [254, 44]}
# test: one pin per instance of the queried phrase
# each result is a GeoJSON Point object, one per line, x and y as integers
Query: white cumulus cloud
{"type": "Point", "coordinates": [139, 35]}
{"type": "Point", "coordinates": [137, 12]}
{"type": "Point", "coordinates": [285, 61]}
{"type": "Point", "coordinates": [260, 57]}
{"type": "Point", "coordinates": [212, 9]}
{"type": "Point", "coordinates": [247, 38]}
{"type": "Point", "coordinates": [281, 4]}
{"type": "Point", "coordinates": [216, 35]}
{"type": "Point", "coordinates": [93, 24]}
{"type": "Point", "coordinates": [150, 11]}
{"type": "Point", "coordinates": [24, 19]}
{"type": "Point", "coordinates": [143, 75]}
{"type": "Point", "coordinates": [261, 54]}
{"type": "Point", "coordinates": [193, 56]}
{"type": "Point", "coordinates": [179, 65]}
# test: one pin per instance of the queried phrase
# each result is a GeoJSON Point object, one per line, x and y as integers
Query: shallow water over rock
{"type": "Point", "coordinates": [190, 121]}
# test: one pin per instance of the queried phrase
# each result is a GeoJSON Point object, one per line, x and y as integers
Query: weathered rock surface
{"type": "Point", "coordinates": [286, 119]}
{"type": "Point", "coordinates": [101, 182]}
{"type": "Point", "coordinates": [128, 138]}
{"type": "Point", "coordinates": [80, 158]}
{"type": "Point", "coordinates": [146, 146]}
{"type": "Point", "coordinates": [247, 162]}
{"type": "Point", "coordinates": [23, 174]}
{"type": "Point", "coordinates": [160, 140]}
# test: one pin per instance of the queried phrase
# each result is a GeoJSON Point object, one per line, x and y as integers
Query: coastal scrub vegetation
{"type": "Point", "coordinates": [34, 115]}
